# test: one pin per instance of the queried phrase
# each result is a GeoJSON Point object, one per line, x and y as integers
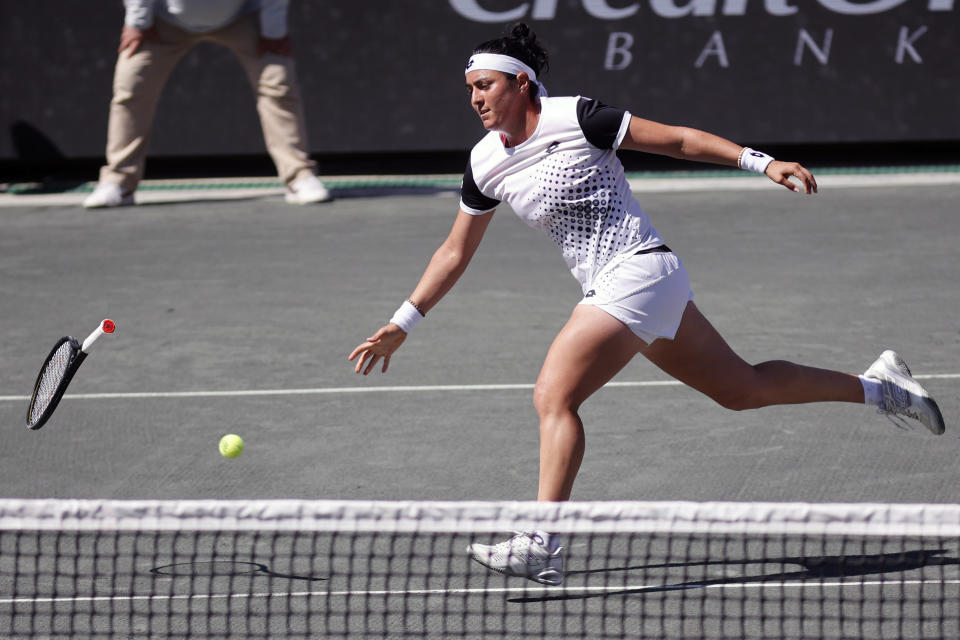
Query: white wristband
{"type": "Point", "coordinates": [407, 316]}
{"type": "Point", "coordinates": [756, 161]}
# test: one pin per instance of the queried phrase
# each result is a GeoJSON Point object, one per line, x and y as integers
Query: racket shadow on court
{"type": "Point", "coordinates": [229, 568]}
{"type": "Point", "coordinates": [813, 568]}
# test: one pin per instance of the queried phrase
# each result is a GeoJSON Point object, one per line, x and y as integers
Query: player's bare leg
{"type": "Point", "coordinates": [699, 357]}
{"type": "Point", "coordinates": [590, 349]}
{"type": "Point", "coordinates": [593, 347]}
{"type": "Point", "coordinates": [585, 355]}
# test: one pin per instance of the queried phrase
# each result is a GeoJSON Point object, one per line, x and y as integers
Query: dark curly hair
{"type": "Point", "coordinates": [520, 42]}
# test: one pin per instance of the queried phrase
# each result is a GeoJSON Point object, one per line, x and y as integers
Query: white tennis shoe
{"type": "Point", "coordinates": [902, 395]}
{"type": "Point", "coordinates": [107, 194]}
{"type": "Point", "coordinates": [524, 555]}
{"type": "Point", "coordinates": [309, 190]}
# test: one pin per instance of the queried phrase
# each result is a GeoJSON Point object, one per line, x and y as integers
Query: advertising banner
{"type": "Point", "coordinates": [387, 75]}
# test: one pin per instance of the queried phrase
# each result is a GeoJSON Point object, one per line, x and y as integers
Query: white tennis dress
{"type": "Point", "coordinates": [566, 180]}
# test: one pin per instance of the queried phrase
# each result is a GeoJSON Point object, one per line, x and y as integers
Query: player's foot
{"type": "Point", "coordinates": [309, 190]}
{"type": "Point", "coordinates": [902, 395]}
{"type": "Point", "coordinates": [524, 555]}
{"type": "Point", "coordinates": [107, 194]}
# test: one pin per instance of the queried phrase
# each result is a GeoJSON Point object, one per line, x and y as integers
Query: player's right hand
{"type": "Point", "coordinates": [382, 344]}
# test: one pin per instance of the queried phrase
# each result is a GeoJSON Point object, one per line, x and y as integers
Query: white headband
{"type": "Point", "coordinates": [506, 64]}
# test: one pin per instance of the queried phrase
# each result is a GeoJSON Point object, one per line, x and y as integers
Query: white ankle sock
{"type": "Point", "coordinates": [872, 391]}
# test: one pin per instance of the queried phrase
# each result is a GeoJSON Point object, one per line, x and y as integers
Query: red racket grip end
{"type": "Point", "coordinates": [108, 326]}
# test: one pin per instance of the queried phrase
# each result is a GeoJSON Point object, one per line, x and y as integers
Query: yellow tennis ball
{"type": "Point", "coordinates": [231, 445]}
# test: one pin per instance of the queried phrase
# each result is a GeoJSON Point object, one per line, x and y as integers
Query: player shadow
{"type": "Point", "coordinates": [231, 568]}
{"type": "Point", "coordinates": [814, 568]}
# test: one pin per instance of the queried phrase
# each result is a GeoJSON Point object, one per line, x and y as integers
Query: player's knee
{"type": "Point", "coordinates": [543, 400]}
{"type": "Point", "coordinates": [741, 392]}
{"type": "Point", "coordinates": [548, 401]}
{"type": "Point", "coordinates": [736, 399]}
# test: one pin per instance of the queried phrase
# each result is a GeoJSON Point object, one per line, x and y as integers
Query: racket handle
{"type": "Point", "coordinates": [107, 326]}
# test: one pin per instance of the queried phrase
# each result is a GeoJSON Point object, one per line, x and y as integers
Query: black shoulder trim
{"type": "Point", "coordinates": [470, 193]}
{"type": "Point", "coordinates": [600, 123]}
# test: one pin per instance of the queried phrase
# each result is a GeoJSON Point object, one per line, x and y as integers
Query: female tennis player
{"type": "Point", "coordinates": [553, 160]}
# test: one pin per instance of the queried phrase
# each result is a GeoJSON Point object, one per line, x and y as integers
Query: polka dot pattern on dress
{"type": "Point", "coordinates": [578, 205]}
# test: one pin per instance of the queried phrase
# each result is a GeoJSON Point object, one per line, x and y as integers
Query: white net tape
{"type": "Point", "coordinates": [864, 519]}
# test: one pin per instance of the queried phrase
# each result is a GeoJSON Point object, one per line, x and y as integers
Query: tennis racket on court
{"type": "Point", "coordinates": [57, 372]}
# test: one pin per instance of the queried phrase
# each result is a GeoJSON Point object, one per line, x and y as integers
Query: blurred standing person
{"type": "Point", "coordinates": [156, 35]}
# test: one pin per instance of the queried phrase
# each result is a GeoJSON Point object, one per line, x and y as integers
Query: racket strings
{"type": "Point", "coordinates": [53, 374]}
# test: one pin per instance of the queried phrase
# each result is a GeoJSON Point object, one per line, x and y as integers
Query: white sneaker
{"type": "Point", "coordinates": [107, 194]}
{"type": "Point", "coordinates": [309, 190]}
{"type": "Point", "coordinates": [524, 555]}
{"type": "Point", "coordinates": [902, 395]}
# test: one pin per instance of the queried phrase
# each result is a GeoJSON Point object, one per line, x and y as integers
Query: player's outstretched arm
{"type": "Point", "coordinates": [693, 144]}
{"type": "Point", "coordinates": [445, 268]}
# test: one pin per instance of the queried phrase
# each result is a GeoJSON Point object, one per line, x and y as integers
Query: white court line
{"type": "Point", "coordinates": [252, 393]}
{"type": "Point", "coordinates": [553, 592]}
{"type": "Point", "coordinates": [323, 391]}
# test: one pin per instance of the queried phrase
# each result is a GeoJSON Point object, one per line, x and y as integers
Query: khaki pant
{"type": "Point", "coordinates": [139, 80]}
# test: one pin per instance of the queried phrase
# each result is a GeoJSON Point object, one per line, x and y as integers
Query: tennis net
{"type": "Point", "coordinates": [353, 569]}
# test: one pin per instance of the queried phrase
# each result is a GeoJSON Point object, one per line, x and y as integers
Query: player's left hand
{"type": "Point", "coordinates": [781, 172]}
{"type": "Point", "coordinates": [280, 46]}
{"type": "Point", "coordinates": [382, 344]}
